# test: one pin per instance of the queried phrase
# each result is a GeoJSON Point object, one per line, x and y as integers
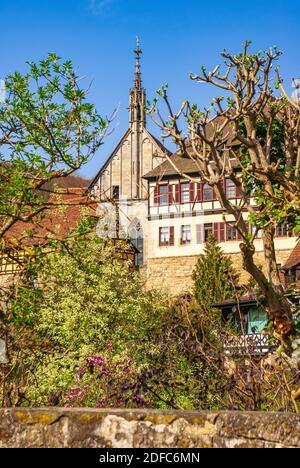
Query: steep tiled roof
{"type": "Point", "coordinates": [159, 144]}
{"type": "Point", "coordinates": [294, 258]}
{"type": "Point", "coordinates": [58, 220]}
{"type": "Point", "coordinates": [182, 166]}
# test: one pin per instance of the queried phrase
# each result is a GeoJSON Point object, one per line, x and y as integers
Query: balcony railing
{"type": "Point", "coordinates": [249, 345]}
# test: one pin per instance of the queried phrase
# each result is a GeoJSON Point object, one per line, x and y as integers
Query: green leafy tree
{"type": "Point", "coordinates": [214, 277]}
{"type": "Point", "coordinates": [48, 130]}
{"type": "Point", "coordinates": [68, 306]}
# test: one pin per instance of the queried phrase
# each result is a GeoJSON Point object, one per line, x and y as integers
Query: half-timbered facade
{"type": "Point", "coordinates": [185, 211]}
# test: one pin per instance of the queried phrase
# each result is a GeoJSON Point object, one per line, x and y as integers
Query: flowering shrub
{"type": "Point", "coordinates": [107, 381]}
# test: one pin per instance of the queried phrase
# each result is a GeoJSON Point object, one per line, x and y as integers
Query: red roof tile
{"type": "Point", "coordinates": [58, 220]}
{"type": "Point", "coordinates": [294, 258]}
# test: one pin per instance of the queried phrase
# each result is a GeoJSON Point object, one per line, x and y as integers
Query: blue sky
{"type": "Point", "coordinates": [177, 37]}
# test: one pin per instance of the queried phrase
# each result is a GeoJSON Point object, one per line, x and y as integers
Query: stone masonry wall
{"type": "Point", "coordinates": [62, 428]}
{"type": "Point", "coordinates": [174, 274]}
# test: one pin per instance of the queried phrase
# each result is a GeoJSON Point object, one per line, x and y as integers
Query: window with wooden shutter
{"type": "Point", "coordinates": [166, 236]}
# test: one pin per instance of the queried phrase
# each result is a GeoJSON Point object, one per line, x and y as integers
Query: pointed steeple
{"type": "Point", "coordinates": [137, 95]}
{"type": "Point", "coordinates": [138, 52]}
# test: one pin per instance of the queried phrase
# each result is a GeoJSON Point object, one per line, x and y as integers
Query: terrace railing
{"type": "Point", "coordinates": [258, 344]}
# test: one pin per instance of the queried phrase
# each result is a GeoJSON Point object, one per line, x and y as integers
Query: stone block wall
{"type": "Point", "coordinates": [82, 428]}
{"type": "Point", "coordinates": [174, 274]}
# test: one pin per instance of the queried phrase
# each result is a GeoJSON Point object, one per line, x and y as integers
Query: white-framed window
{"type": "Point", "coordinates": [230, 189]}
{"type": "Point", "coordinates": [186, 234]}
{"type": "Point", "coordinates": [166, 236]}
{"type": "Point", "coordinates": [163, 195]}
{"type": "Point", "coordinates": [231, 233]}
{"type": "Point", "coordinates": [208, 193]}
{"type": "Point", "coordinates": [185, 192]}
{"type": "Point", "coordinates": [284, 230]}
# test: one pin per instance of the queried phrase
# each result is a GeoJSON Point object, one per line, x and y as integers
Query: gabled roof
{"type": "Point", "coordinates": [182, 165]}
{"type": "Point", "coordinates": [58, 220]}
{"type": "Point", "coordinates": [159, 143]}
{"type": "Point", "coordinates": [126, 134]}
{"type": "Point", "coordinates": [107, 162]}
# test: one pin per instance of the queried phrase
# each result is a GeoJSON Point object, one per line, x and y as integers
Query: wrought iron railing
{"type": "Point", "coordinates": [258, 344]}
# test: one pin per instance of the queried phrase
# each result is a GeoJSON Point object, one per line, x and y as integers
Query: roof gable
{"type": "Point", "coordinates": [108, 161]}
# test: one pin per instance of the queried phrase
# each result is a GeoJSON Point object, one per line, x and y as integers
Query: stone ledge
{"type": "Point", "coordinates": [84, 428]}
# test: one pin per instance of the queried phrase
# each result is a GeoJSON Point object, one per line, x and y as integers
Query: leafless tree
{"type": "Point", "coordinates": [250, 136]}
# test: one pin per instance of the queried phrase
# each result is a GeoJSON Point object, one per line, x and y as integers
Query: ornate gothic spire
{"type": "Point", "coordinates": [138, 52]}
{"type": "Point", "coordinates": [137, 93]}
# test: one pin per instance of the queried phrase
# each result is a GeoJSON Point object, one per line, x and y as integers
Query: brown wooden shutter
{"type": "Point", "coordinates": [171, 197]}
{"type": "Point", "coordinates": [239, 235]}
{"type": "Point", "coordinates": [224, 186]}
{"type": "Point", "coordinates": [156, 195]}
{"type": "Point", "coordinates": [172, 235]}
{"type": "Point", "coordinates": [214, 194]}
{"type": "Point", "coordinates": [222, 232]}
{"type": "Point", "coordinates": [217, 232]}
{"type": "Point", "coordinates": [177, 193]}
{"type": "Point", "coordinates": [192, 192]}
{"type": "Point", "coordinates": [199, 192]}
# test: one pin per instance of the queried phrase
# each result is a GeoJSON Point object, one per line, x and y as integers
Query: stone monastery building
{"type": "Point", "coordinates": [167, 217]}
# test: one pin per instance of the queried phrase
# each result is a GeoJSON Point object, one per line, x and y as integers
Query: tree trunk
{"type": "Point", "coordinates": [279, 309]}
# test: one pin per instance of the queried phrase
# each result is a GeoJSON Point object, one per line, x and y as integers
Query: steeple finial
{"type": "Point", "coordinates": [137, 93]}
{"type": "Point", "coordinates": [138, 52]}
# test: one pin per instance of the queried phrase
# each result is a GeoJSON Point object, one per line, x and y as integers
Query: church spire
{"type": "Point", "coordinates": [138, 52]}
{"type": "Point", "coordinates": [137, 93]}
